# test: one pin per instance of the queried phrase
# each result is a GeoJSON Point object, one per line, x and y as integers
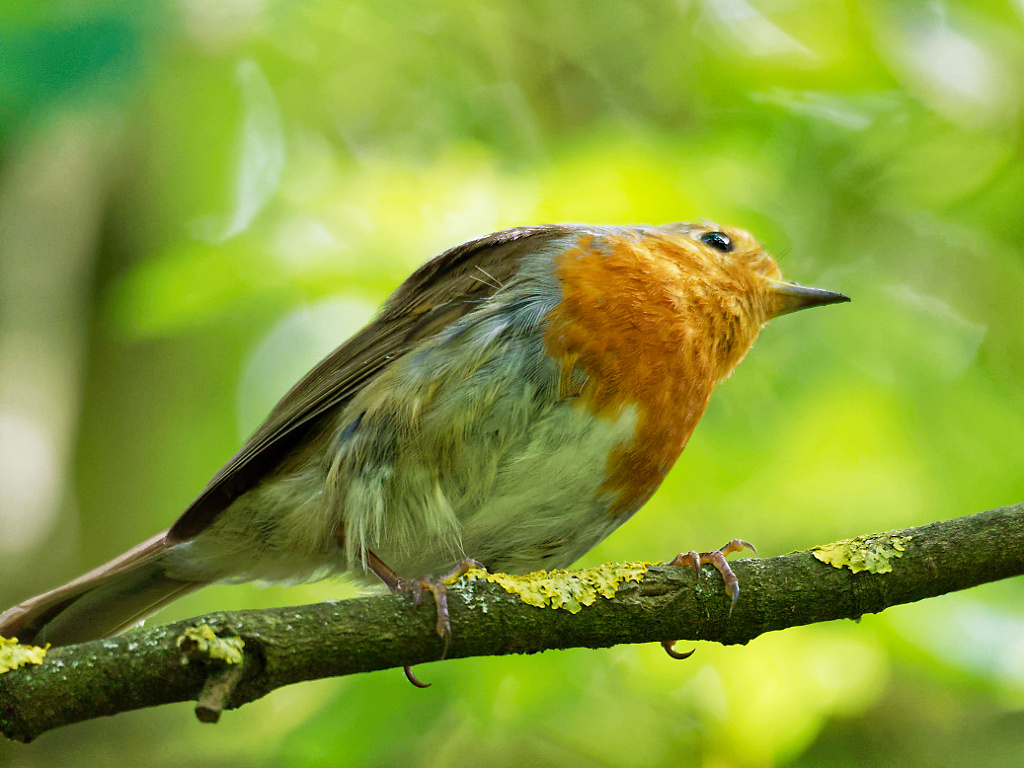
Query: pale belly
{"type": "Point", "coordinates": [546, 507]}
{"type": "Point", "coordinates": [533, 500]}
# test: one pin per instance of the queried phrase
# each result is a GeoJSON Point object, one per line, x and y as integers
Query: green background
{"type": "Point", "coordinates": [200, 199]}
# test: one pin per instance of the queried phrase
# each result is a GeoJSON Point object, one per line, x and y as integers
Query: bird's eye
{"type": "Point", "coordinates": [718, 240]}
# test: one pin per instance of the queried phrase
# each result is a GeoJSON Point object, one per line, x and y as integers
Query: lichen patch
{"type": "Point", "coordinates": [570, 590]}
{"type": "Point", "coordinates": [873, 553]}
{"type": "Point", "coordinates": [14, 655]}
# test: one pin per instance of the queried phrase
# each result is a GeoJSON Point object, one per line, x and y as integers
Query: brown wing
{"type": "Point", "coordinates": [438, 293]}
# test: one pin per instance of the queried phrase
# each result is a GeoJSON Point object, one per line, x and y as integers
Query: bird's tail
{"type": "Point", "coordinates": [103, 602]}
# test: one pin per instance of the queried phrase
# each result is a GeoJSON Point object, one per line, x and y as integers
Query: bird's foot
{"type": "Point", "coordinates": [438, 587]}
{"type": "Point", "coordinates": [716, 559]}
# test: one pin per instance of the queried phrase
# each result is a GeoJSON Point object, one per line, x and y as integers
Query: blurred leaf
{"type": "Point", "coordinates": [261, 155]}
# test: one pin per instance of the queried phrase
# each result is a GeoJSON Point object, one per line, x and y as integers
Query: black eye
{"type": "Point", "coordinates": [718, 240]}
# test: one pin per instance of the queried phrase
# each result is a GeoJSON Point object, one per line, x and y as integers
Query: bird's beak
{"type": "Point", "coordinates": [791, 297]}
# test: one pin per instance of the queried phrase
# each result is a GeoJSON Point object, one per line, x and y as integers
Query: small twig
{"type": "Point", "coordinates": [216, 693]}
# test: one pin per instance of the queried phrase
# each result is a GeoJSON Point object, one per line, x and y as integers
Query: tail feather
{"type": "Point", "coordinates": [103, 602]}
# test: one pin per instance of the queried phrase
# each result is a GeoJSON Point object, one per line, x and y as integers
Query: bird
{"type": "Point", "coordinates": [512, 403]}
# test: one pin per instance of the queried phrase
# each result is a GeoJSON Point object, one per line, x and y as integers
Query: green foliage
{"type": "Point", "coordinates": [199, 199]}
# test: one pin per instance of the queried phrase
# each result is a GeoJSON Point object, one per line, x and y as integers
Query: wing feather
{"type": "Point", "coordinates": [435, 295]}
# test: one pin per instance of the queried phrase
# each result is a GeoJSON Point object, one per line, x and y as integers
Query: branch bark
{"type": "Point", "coordinates": [147, 667]}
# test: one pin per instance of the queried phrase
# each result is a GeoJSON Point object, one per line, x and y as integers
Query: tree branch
{"type": "Point", "coordinates": [147, 667]}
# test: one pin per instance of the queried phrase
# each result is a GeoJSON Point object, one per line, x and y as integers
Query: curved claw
{"type": "Point", "coordinates": [414, 680]}
{"type": "Point", "coordinates": [737, 545]}
{"type": "Point", "coordinates": [669, 646]}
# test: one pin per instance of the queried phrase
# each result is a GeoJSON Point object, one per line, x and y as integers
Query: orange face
{"type": "Point", "coordinates": [654, 319]}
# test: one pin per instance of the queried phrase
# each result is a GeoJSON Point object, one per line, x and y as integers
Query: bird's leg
{"type": "Point", "coordinates": [438, 587]}
{"type": "Point", "coordinates": [716, 559]}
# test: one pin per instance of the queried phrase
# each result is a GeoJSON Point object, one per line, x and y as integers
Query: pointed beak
{"type": "Point", "coordinates": [792, 297]}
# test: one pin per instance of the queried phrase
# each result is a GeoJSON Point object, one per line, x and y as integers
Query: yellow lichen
{"type": "Point", "coordinates": [566, 589]}
{"type": "Point", "coordinates": [202, 640]}
{"type": "Point", "coordinates": [873, 553]}
{"type": "Point", "coordinates": [13, 655]}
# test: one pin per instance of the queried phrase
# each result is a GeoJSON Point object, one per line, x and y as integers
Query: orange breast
{"type": "Point", "coordinates": [623, 322]}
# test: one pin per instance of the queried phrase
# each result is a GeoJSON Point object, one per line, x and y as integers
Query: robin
{"type": "Point", "coordinates": [514, 401]}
